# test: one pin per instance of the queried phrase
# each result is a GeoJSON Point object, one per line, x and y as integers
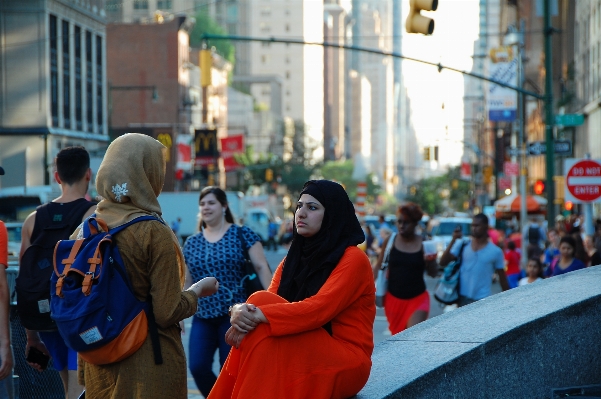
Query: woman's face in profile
{"type": "Point", "coordinates": [308, 216]}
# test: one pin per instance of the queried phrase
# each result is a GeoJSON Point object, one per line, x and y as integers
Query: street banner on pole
{"type": "Point", "coordinates": [511, 169]}
{"type": "Point", "coordinates": [583, 180]}
{"type": "Point", "coordinates": [229, 146]}
{"type": "Point", "coordinates": [502, 102]}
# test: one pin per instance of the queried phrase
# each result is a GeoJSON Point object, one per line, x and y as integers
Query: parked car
{"type": "Point", "coordinates": [442, 230]}
{"type": "Point", "coordinates": [14, 238]}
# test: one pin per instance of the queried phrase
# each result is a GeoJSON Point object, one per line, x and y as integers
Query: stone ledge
{"type": "Point", "coordinates": [520, 343]}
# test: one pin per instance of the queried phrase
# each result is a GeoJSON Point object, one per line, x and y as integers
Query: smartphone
{"type": "Point", "coordinates": [37, 356]}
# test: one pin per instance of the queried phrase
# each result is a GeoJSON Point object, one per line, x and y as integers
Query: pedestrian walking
{"type": "Point", "coordinates": [6, 353]}
{"type": "Point", "coordinates": [129, 179]}
{"type": "Point", "coordinates": [512, 265]}
{"type": "Point", "coordinates": [272, 231]}
{"type": "Point", "coordinates": [479, 261]}
{"type": "Point", "coordinates": [73, 174]}
{"type": "Point", "coordinates": [535, 234]}
{"type": "Point", "coordinates": [566, 261]}
{"type": "Point", "coordinates": [310, 335]}
{"type": "Point", "coordinates": [534, 272]}
{"type": "Point", "coordinates": [552, 249]}
{"type": "Point", "coordinates": [216, 250]}
{"type": "Point", "coordinates": [407, 301]}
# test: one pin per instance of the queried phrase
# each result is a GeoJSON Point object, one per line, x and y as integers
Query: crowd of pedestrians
{"type": "Point", "coordinates": [313, 322]}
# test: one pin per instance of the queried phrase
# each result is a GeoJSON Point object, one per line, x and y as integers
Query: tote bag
{"type": "Point", "coordinates": [382, 280]}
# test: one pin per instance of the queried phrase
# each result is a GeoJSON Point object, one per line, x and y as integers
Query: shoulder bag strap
{"type": "Point", "coordinates": [243, 243]}
{"type": "Point", "coordinates": [389, 245]}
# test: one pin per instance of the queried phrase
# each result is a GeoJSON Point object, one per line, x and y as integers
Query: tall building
{"type": "Point", "coordinates": [335, 19]}
{"type": "Point", "coordinates": [53, 84]}
{"type": "Point", "coordinates": [375, 32]}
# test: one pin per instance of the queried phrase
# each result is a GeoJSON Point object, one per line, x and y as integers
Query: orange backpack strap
{"type": "Point", "coordinates": [86, 285]}
{"type": "Point", "coordinates": [67, 262]}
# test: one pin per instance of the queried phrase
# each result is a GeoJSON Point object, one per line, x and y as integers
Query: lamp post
{"type": "Point", "coordinates": [517, 39]}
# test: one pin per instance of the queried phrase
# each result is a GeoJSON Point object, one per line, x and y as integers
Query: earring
{"type": "Point", "coordinates": [224, 212]}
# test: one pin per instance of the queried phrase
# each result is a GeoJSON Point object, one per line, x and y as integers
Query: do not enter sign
{"type": "Point", "coordinates": [583, 180]}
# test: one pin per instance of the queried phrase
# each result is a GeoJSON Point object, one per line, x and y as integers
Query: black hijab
{"type": "Point", "coordinates": [310, 261]}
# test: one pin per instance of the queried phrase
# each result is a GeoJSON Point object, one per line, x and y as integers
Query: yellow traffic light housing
{"type": "Point", "coordinates": [206, 64]}
{"type": "Point", "coordinates": [268, 175]}
{"type": "Point", "coordinates": [417, 23]}
{"type": "Point", "coordinates": [427, 156]}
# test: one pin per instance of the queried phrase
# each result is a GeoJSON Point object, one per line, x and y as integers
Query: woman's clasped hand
{"type": "Point", "coordinates": [244, 318]}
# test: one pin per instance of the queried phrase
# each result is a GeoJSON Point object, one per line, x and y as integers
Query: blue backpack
{"type": "Point", "coordinates": [93, 303]}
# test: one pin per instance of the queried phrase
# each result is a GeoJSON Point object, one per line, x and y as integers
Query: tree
{"type": "Point", "coordinates": [437, 194]}
{"type": "Point", "coordinates": [205, 24]}
{"type": "Point", "coordinates": [341, 172]}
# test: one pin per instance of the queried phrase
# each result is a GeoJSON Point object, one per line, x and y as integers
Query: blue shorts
{"type": "Point", "coordinates": [62, 356]}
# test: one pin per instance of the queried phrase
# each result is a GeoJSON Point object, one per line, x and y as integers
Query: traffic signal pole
{"type": "Point", "coordinates": [549, 117]}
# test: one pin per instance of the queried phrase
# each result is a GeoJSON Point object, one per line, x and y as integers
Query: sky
{"type": "Point", "coordinates": [452, 44]}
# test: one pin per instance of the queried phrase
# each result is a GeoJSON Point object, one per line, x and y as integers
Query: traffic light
{"type": "Point", "coordinates": [427, 156]}
{"type": "Point", "coordinates": [568, 205]}
{"type": "Point", "coordinates": [487, 174]}
{"type": "Point", "coordinates": [417, 23]}
{"type": "Point", "coordinates": [539, 187]}
{"type": "Point", "coordinates": [206, 64]}
{"type": "Point", "coordinates": [268, 175]}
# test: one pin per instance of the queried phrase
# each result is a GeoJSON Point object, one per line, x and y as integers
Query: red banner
{"type": "Point", "coordinates": [229, 146]}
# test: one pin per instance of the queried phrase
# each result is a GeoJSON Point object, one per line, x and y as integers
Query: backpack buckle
{"type": "Point", "coordinates": [59, 285]}
{"type": "Point", "coordinates": [86, 285]}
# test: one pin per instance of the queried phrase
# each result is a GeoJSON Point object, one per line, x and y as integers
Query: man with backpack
{"type": "Point", "coordinates": [535, 236]}
{"type": "Point", "coordinates": [480, 259]}
{"type": "Point", "coordinates": [6, 354]}
{"type": "Point", "coordinates": [42, 229]}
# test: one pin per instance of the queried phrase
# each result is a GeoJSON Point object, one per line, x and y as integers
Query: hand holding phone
{"type": "Point", "coordinates": [34, 355]}
{"type": "Point", "coordinates": [457, 232]}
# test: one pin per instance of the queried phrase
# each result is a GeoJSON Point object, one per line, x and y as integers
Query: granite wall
{"type": "Point", "coordinates": [517, 344]}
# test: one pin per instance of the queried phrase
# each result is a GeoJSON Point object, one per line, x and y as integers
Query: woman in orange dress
{"type": "Point", "coordinates": [310, 335]}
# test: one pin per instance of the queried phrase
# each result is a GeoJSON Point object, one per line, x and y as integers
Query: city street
{"type": "Point", "coordinates": [381, 332]}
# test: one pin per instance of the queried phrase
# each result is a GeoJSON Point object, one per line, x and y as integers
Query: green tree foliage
{"type": "Point", "coordinates": [341, 172]}
{"type": "Point", "coordinates": [205, 24]}
{"type": "Point", "coordinates": [437, 195]}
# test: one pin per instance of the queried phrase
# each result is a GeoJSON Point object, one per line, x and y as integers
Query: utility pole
{"type": "Point", "coordinates": [549, 117]}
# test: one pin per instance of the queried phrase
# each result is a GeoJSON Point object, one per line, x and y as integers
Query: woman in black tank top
{"type": "Point", "coordinates": [407, 301]}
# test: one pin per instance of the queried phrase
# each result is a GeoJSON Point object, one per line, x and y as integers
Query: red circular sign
{"type": "Point", "coordinates": [584, 180]}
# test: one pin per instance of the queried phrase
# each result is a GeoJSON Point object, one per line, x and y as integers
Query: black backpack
{"type": "Point", "coordinates": [533, 235]}
{"type": "Point", "coordinates": [53, 222]}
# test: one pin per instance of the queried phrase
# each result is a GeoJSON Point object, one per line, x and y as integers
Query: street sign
{"type": "Point", "coordinates": [562, 147]}
{"type": "Point", "coordinates": [511, 169]}
{"type": "Point", "coordinates": [569, 119]}
{"type": "Point", "coordinates": [583, 180]}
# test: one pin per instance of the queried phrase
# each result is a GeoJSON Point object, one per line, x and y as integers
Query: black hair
{"type": "Point", "coordinates": [221, 197]}
{"type": "Point", "coordinates": [568, 240]}
{"type": "Point", "coordinates": [482, 218]}
{"type": "Point", "coordinates": [511, 245]}
{"type": "Point", "coordinates": [538, 264]}
{"type": "Point", "coordinates": [72, 164]}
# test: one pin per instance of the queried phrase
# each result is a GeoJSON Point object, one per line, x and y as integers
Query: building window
{"type": "Point", "coordinates": [163, 4]}
{"type": "Point", "coordinates": [89, 83]}
{"type": "Point", "coordinates": [287, 27]}
{"type": "Point", "coordinates": [140, 4]}
{"type": "Point", "coordinates": [66, 77]}
{"type": "Point", "coordinates": [78, 80]}
{"type": "Point", "coordinates": [287, 59]}
{"type": "Point", "coordinates": [287, 74]}
{"type": "Point", "coordinates": [266, 11]}
{"type": "Point", "coordinates": [265, 44]}
{"type": "Point", "coordinates": [264, 27]}
{"type": "Point", "coordinates": [53, 70]}
{"type": "Point", "coordinates": [99, 84]}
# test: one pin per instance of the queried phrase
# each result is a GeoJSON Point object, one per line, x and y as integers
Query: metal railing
{"type": "Point", "coordinates": [31, 383]}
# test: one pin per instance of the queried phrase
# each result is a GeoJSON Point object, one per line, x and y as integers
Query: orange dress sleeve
{"type": "Point", "coordinates": [350, 280]}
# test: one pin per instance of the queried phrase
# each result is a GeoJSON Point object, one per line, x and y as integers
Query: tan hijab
{"type": "Point", "coordinates": [130, 178]}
